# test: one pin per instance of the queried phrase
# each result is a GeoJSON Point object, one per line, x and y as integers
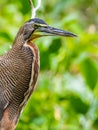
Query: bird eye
{"type": "Point", "coordinates": [36, 26]}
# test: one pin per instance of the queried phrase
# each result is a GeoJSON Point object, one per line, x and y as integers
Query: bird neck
{"type": "Point", "coordinates": [19, 41]}
{"type": "Point", "coordinates": [34, 49]}
{"type": "Point", "coordinates": [20, 38]}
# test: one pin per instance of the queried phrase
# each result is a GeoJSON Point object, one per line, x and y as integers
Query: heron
{"type": "Point", "coordinates": [19, 70]}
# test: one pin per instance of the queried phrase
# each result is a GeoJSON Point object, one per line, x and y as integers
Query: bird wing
{"type": "Point", "coordinates": [15, 75]}
{"type": "Point", "coordinates": [16, 72]}
{"type": "Point", "coordinates": [3, 83]}
{"type": "Point", "coordinates": [6, 92]}
{"type": "Point", "coordinates": [3, 102]}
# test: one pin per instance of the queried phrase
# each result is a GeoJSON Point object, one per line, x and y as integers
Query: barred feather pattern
{"type": "Point", "coordinates": [18, 75]}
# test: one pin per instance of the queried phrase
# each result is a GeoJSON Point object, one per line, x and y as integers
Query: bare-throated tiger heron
{"type": "Point", "coordinates": [19, 70]}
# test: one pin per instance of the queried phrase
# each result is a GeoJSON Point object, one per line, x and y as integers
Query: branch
{"type": "Point", "coordinates": [34, 9]}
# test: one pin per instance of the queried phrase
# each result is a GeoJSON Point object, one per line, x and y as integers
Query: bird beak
{"type": "Point", "coordinates": [46, 30]}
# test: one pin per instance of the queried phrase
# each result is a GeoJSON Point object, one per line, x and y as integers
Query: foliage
{"type": "Point", "coordinates": [66, 96]}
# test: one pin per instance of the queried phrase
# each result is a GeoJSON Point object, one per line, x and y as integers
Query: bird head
{"type": "Point", "coordinates": [35, 28]}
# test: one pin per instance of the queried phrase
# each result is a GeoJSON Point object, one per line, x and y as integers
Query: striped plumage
{"type": "Point", "coordinates": [19, 70]}
{"type": "Point", "coordinates": [18, 75]}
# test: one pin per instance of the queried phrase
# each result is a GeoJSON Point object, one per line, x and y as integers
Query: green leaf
{"type": "Point", "coordinates": [90, 72]}
{"type": "Point", "coordinates": [78, 105]}
{"type": "Point", "coordinates": [6, 36]}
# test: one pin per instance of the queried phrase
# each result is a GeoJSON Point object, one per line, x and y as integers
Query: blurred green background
{"type": "Point", "coordinates": [66, 96]}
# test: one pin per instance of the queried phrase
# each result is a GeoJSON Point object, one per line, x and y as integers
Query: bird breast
{"type": "Point", "coordinates": [34, 73]}
{"type": "Point", "coordinates": [18, 76]}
